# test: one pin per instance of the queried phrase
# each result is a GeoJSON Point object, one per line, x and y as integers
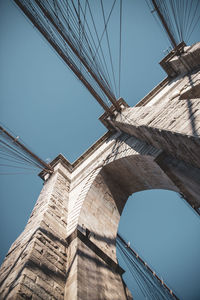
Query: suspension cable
{"type": "Point", "coordinates": [147, 280]}
{"type": "Point", "coordinates": [10, 146]}
{"type": "Point", "coordinates": [67, 28]}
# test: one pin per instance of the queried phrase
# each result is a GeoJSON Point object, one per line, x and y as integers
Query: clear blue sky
{"type": "Point", "coordinates": [44, 103]}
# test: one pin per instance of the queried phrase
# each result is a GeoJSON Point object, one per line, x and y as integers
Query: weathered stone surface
{"type": "Point", "coordinates": [35, 266]}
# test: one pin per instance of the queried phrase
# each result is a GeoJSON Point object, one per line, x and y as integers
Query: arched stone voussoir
{"type": "Point", "coordinates": [126, 157]}
{"type": "Point", "coordinates": [123, 146]}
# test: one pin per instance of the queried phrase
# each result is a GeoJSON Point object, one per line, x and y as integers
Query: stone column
{"type": "Point", "coordinates": [93, 270]}
{"type": "Point", "coordinates": [35, 266]}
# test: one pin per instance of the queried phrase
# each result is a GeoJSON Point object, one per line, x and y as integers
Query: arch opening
{"type": "Point", "coordinates": [110, 191]}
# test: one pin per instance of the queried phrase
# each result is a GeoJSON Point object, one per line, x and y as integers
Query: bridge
{"type": "Point", "coordinates": [132, 139]}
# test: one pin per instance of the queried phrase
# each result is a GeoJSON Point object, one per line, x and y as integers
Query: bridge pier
{"type": "Point", "coordinates": [67, 250]}
{"type": "Point", "coordinates": [34, 267]}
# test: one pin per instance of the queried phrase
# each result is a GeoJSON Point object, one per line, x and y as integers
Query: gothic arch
{"type": "Point", "coordinates": [109, 191]}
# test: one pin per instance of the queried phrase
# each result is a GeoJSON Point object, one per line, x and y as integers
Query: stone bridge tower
{"type": "Point", "coordinates": [67, 249]}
